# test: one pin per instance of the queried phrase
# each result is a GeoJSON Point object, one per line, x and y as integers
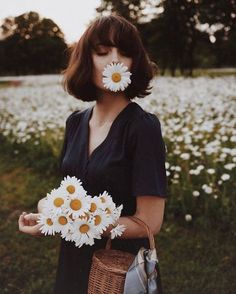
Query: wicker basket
{"type": "Point", "coordinates": [109, 266]}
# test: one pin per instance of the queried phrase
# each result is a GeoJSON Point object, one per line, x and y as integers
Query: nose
{"type": "Point", "coordinates": [114, 55]}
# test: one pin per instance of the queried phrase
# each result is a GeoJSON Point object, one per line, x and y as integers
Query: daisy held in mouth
{"type": "Point", "coordinates": [79, 217]}
{"type": "Point", "coordinates": [116, 77]}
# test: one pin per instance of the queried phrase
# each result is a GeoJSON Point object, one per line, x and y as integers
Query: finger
{"type": "Point", "coordinates": [21, 221]}
{"type": "Point", "coordinates": [32, 216]}
{"type": "Point", "coordinates": [22, 225]}
{"type": "Point", "coordinates": [35, 230]}
{"type": "Point", "coordinates": [29, 218]}
{"type": "Point", "coordinates": [32, 223]}
{"type": "Point", "coordinates": [26, 221]}
{"type": "Point", "coordinates": [32, 230]}
{"type": "Point", "coordinates": [22, 214]}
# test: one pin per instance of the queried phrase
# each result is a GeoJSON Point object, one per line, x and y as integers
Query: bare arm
{"type": "Point", "coordinates": [149, 209]}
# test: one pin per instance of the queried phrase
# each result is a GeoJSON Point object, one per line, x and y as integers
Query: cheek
{"type": "Point", "coordinates": [98, 67]}
{"type": "Point", "coordinates": [99, 64]}
{"type": "Point", "coordinates": [129, 64]}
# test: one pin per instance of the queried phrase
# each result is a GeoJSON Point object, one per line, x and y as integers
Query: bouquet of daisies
{"type": "Point", "coordinates": [79, 217]}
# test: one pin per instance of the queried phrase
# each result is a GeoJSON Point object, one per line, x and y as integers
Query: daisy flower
{"type": "Point", "coordinates": [100, 221]}
{"type": "Point", "coordinates": [116, 76]}
{"type": "Point", "coordinates": [95, 204]}
{"type": "Point", "coordinates": [45, 208]}
{"type": "Point", "coordinates": [47, 223]}
{"type": "Point", "coordinates": [56, 201]}
{"type": "Point", "coordinates": [111, 212]}
{"type": "Point", "coordinates": [83, 232]}
{"type": "Point", "coordinates": [105, 200]}
{"type": "Point", "coordinates": [188, 217]}
{"type": "Point", "coordinates": [77, 206]}
{"type": "Point", "coordinates": [115, 213]}
{"type": "Point", "coordinates": [117, 231]}
{"type": "Point", "coordinates": [67, 235]}
{"type": "Point", "coordinates": [62, 223]}
{"type": "Point", "coordinates": [73, 186]}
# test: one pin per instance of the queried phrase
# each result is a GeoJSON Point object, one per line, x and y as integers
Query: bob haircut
{"type": "Point", "coordinates": [112, 30]}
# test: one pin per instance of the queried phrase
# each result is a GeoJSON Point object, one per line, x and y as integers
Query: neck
{"type": "Point", "coordinates": [108, 106]}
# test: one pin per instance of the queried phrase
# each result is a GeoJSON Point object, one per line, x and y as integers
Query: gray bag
{"type": "Point", "coordinates": [143, 276]}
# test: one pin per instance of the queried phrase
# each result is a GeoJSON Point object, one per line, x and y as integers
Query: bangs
{"type": "Point", "coordinates": [112, 32]}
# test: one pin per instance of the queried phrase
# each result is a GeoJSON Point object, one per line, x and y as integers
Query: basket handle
{"type": "Point", "coordinates": [142, 223]}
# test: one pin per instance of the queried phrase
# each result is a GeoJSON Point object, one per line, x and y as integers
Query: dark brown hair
{"type": "Point", "coordinates": [112, 30]}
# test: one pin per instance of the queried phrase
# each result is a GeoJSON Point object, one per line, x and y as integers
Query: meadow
{"type": "Point", "coordinates": [196, 245]}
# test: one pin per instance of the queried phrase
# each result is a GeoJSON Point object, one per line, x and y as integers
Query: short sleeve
{"type": "Point", "coordinates": [68, 128]}
{"type": "Point", "coordinates": [148, 157]}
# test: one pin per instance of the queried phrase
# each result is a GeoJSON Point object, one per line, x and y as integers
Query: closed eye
{"type": "Point", "coordinates": [100, 53]}
{"type": "Point", "coordinates": [104, 50]}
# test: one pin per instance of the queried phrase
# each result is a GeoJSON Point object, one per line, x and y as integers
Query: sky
{"type": "Point", "coordinates": [72, 16]}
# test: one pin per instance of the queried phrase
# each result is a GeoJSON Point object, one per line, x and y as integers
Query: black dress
{"type": "Point", "coordinates": [128, 163]}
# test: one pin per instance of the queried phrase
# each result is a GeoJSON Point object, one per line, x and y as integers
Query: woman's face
{"type": "Point", "coordinates": [104, 55]}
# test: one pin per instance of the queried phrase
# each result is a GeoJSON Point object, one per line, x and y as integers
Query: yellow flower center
{"type": "Point", "coordinates": [75, 204]}
{"type": "Point", "coordinates": [93, 207]}
{"type": "Point", "coordinates": [58, 202]}
{"type": "Point", "coordinates": [98, 220]}
{"type": "Point", "coordinates": [49, 222]}
{"type": "Point", "coordinates": [71, 189]}
{"type": "Point", "coordinates": [116, 77]}
{"type": "Point", "coordinates": [62, 220]}
{"type": "Point", "coordinates": [84, 229]}
{"type": "Point", "coordinates": [102, 199]}
{"type": "Point", "coordinates": [108, 211]}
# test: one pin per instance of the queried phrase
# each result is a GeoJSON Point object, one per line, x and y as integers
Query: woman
{"type": "Point", "coordinates": [114, 145]}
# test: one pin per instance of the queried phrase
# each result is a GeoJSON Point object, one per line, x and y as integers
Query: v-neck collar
{"type": "Point", "coordinates": [88, 115]}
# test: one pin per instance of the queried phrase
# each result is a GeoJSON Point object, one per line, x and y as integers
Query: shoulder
{"type": "Point", "coordinates": [144, 132]}
{"type": "Point", "coordinates": [144, 122]}
{"type": "Point", "coordinates": [75, 117]}
{"type": "Point", "coordinates": [73, 121]}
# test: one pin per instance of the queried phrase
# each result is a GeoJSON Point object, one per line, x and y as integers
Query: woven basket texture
{"type": "Point", "coordinates": [108, 271]}
{"type": "Point", "coordinates": [109, 267]}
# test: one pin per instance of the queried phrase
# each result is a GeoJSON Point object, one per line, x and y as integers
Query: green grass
{"type": "Point", "coordinates": [197, 261]}
{"type": "Point", "coordinates": [193, 258]}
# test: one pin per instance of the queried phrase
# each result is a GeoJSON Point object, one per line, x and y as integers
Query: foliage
{"type": "Point", "coordinates": [133, 11]}
{"type": "Point", "coordinates": [182, 34]}
{"type": "Point", "coordinates": [179, 35]}
{"type": "Point", "coordinates": [31, 45]}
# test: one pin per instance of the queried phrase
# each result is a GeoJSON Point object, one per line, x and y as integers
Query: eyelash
{"type": "Point", "coordinates": [102, 54]}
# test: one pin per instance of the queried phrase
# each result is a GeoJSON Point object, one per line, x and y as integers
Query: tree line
{"type": "Point", "coordinates": [178, 34]}
{"type": "Point", "coordinates": [31, 45]}
{"type": "Point", "coordinates": [183, 34]}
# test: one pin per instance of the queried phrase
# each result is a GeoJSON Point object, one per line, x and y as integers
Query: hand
{"type": "Point", "coordinates": [28, 224]}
